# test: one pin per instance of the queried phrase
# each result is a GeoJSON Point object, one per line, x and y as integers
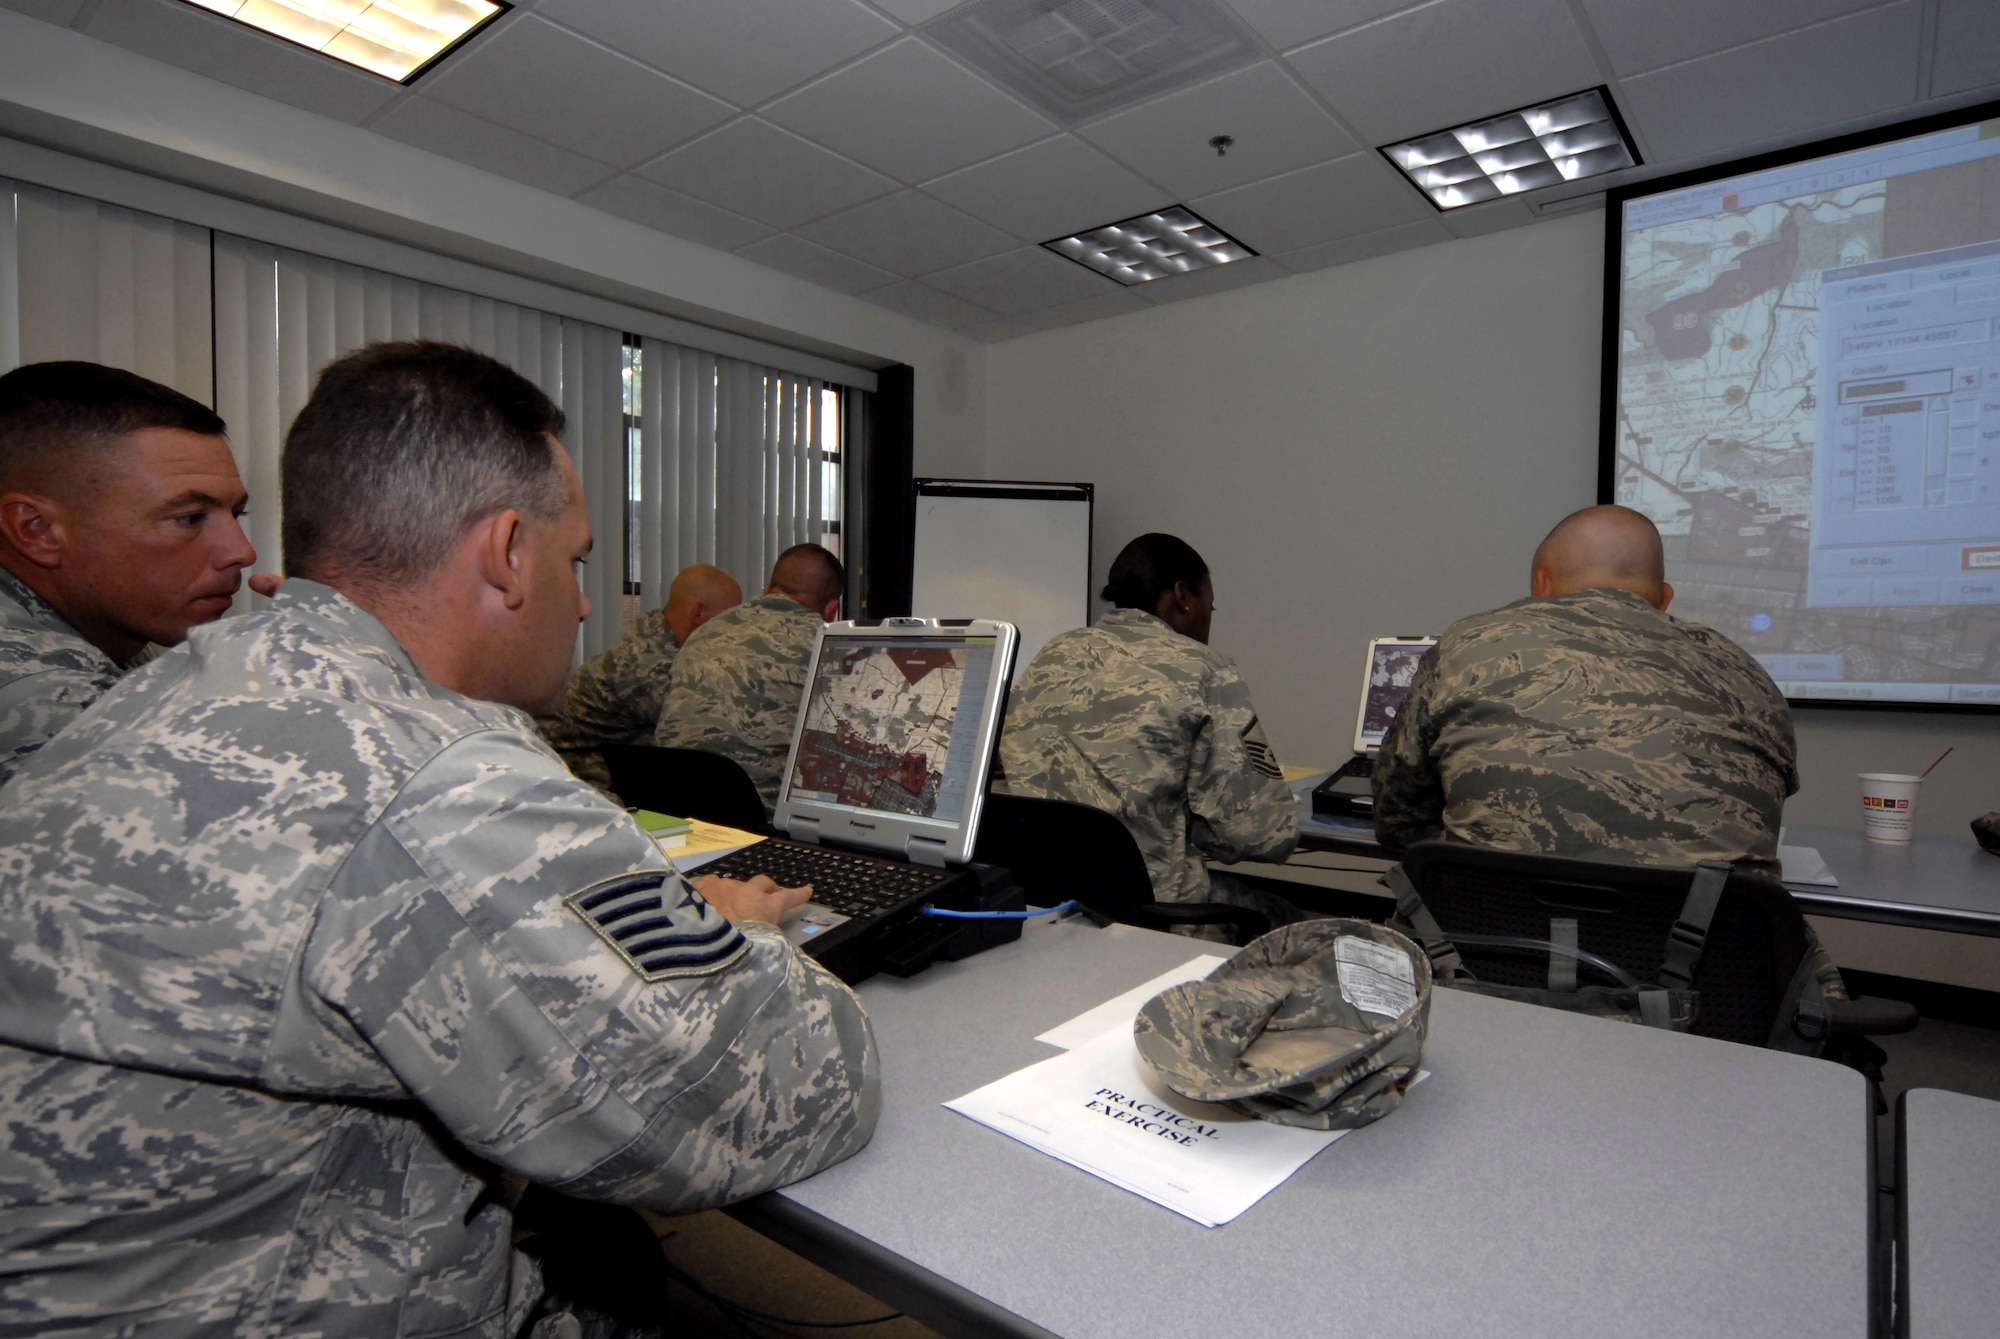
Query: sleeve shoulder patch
{"type": "Point", "coordinates": [656, 921]}
{"type": "Point", "coordinates": [1261, 757]}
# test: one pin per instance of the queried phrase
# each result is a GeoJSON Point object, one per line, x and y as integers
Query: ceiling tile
{"type": "Point", "coordinates": [909, 233]}
{"type": "Point", "coordinates": [828, 269]}
{"type": "Point", "coordinates": [742, 50]}
{"type": "Point", "coordinates": [916, 11]}
{"type": "Point", "coordinates": [1968, 46]}
{"type": "Point", "coordinates": [1851, 68]}
{"type": "Point", "coordinates": [1115, 303]}
{"type": "Point", "coordinates": [1285, 23]}
{"type": "Point", "coordinates": [1021, 281]}
{"type": "Point", "coordinates": [1356, 194]}
{"type": "Point", "coordinates": [547, 82]}
{"type": "Point", "coordinates": [1049, 190]}
{"type": "Point", "coordinates": [48, 11]}
{"type": "Point", "coordinates": [767, 174]}
{"type": "Point", "coordinates": [1645, 34]}
{"type": "Point", "coordinates": [451, 133]}
{"type": "Point", "coordinates": [909, 111]}
{"type": "Point", "coordinates": [999, 328]}
{"type": "Point", "coordinates": [1215, 279]}
{"type": "Point", "coordinates": [1447, 63]}
{"type": "Point", "coordinates": [1276, 128]}
{"type": "Point", "coordinates": [1492, 216]}
{"type": "Point", "coordinates": [1402, 237]}
{"type": "Point", "coordinates": [930, 306]}
{"type": "Point", "coordinates": [223, 49]}
{"type": "Point", "coordinates": [668, 211]}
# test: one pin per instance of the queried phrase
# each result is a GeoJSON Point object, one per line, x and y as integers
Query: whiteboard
{"type": "Point", "coordinates": [1013, 551]}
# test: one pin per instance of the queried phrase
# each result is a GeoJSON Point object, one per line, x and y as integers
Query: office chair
{"type": "Point", "coordinates": [1057, 850]}
{"type": "Point", "coordinates": [688, 783]}
{"type": "Point", "coordinates": [1625, 914]}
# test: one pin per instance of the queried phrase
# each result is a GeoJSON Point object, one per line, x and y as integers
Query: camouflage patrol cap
{"type": "Point", "coordinates": [1318, 1024]}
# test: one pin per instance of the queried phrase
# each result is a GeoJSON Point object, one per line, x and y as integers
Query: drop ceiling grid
{"type": "Point", "coordinates": [835, 142]}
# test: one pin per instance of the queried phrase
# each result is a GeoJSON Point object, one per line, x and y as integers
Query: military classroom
{"type": "Point", "coordinates": [868, 227]}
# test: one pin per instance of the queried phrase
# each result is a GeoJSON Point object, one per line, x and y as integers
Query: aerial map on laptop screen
{"type": "Point", "coordinates": [885, 728]}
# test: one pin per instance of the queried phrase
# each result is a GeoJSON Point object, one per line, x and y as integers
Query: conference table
{"type": "Point", "coordinates": [1932, 883]}
{"type": "Point", "coordinates": [1948, 1215]}
{"type": "Point", "coordinates": [1555, 1175]}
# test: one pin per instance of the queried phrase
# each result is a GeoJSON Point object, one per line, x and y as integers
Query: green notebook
{"type": "Point", "coordinates": [663, 828]}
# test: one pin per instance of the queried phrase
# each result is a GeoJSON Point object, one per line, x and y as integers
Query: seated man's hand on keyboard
{"type": "Point", "coordinates": [757, 899]}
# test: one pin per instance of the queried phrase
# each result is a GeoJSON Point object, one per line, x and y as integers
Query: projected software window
{"type": "Point", "coordinates": [1906, 485]}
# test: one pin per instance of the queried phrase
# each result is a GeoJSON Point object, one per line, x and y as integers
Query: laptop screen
{"type": "Point", "coordinates": [1392, 663]}
{"type": "Point", "coordinates": [895, 736]}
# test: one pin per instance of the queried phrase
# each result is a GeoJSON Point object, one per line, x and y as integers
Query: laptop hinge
{"type": "Point", "coordinates": [802, 829]}
{"type": "Point", "coordinates": [924, 851]}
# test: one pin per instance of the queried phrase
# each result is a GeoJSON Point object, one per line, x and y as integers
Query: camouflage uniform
{"type": "Point", "coordinates": [1135, 719]}
{"type": "Point", "coordinates": [48, 672]}
{"type": "Point", "coordinates": [1592, 726]}
{"type": "Point", "coordinates": [613, 698]}
{"type": "Point", "coordinates": [737, 686]}
{"type": "Point", "coordinates": [299, 953]}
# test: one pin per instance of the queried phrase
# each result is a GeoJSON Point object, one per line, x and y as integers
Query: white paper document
{"type": "Point", "coordinates": [1804, 864]}
{"type": "Point", "coordinates": [1094, 1023]}
{"type": "Point", "coordinates": [1100, 1107]}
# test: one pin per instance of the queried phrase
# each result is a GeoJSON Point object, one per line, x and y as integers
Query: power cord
{"type": "Point", "coordinates": [929, 910]}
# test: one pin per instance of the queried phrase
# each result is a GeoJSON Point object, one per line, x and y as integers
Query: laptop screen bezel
{"type": "Point", "coordinates": [1362, 744]}
{"type": "Point", "coordinates": [807, 818]}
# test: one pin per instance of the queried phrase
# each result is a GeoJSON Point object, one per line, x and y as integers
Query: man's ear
{"type": "Point", "coordinates": [36, 526]}
{"type": "Point", "coordinates": [830, 611]}
{"type": "Point", "coordinates": [1541, 583]}
{"type": "Point", "coordinates": [499, 541]}
{"type": "Point", "coordinates": [1666, 596]}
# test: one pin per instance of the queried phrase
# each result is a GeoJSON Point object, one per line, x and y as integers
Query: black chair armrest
{"type": "Point", "coordinates": [1244, 923]}
{"type": "Point", "coordinates": [1870, 1017]}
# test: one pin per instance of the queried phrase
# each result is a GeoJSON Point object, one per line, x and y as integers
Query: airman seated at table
{"type": "Point", "coordinates": [309, 941]}
{"type": "Point", "coordinates": [615, 696]}
{"type": "Point", "coordinates": [1585, 721]}
{"type": "Point", "coordinates": [118, 527]}
{"type": "Point", "coordinates": [738, 682]}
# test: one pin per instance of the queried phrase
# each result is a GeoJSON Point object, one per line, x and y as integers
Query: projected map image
{"type": "Point", "coordinates": [879, 728]}
{"type": "Point", "coordinates": [1808, 404]}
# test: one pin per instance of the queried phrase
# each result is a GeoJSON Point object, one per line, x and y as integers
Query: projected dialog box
{"type": "Point", "coordinates": [1906, 475]}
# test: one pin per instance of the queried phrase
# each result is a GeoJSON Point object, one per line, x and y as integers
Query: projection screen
{"type": "Point", "coordinates": [1802, 388]}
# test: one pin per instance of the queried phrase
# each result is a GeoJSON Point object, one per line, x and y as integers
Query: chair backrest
{"type": "Point", "coordinates": [1057, 850]}
{"type": "Point", "coordinates": [1756, 938]}
{"type": "Point", "coordinates": [688, 783]}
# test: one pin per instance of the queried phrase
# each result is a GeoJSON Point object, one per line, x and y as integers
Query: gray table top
{"type": "Point", "coordinates": [1948, 1251]}
{"type": "Point", "coordinates": [1937, 883]}
{"type": "Point", "coordinates": [1556, 1175]}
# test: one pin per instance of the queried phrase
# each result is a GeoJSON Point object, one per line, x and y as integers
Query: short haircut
{"type": "Point", "coordinates": [1149, 567]}
{"type": "Point", "coordinates": [809, 574]}
{"type": "Point", "coordinates": [401, 449]}
{"type": "Point", "coordinates": [51, 413]}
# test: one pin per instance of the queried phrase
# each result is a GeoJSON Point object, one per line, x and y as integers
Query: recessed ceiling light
{"type": "Point", "coordinates": [1173, 240]}
{"type": "Point", "coordinates": [1547, 144]}
{"type": "Point", "coordinates": [393, 38]}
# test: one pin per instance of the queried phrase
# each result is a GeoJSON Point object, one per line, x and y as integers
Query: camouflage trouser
{"type": "Point", "coordinates": [1228, 888]}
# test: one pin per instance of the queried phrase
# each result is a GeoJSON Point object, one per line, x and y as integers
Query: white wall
{"type": "Point", "coordinates": [1376, 449]}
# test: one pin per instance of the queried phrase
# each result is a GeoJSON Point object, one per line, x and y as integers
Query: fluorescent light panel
{"type": "Point", "coordinates": [1174, 240]}
{"type": "Point", "coordinates": [1547, 144]}
{"type": "Point", "coordinates": [392, 38]}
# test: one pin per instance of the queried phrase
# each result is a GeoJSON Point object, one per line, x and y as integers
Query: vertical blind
{"type": "Point", "coordinates": [730, 462]}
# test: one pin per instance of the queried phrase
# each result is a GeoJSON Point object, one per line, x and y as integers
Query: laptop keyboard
{"type": "Point", "coordinates": [854, 885]}
{"type": "Point", "coordinates": [1358, 765]}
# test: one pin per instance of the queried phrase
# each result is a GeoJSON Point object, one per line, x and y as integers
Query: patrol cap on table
{"type": "Point", "coordinates": [1319, 1024]}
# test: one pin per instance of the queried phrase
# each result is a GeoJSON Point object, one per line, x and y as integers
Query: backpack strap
{"type": "Point", "coordinates": [1690, 933]}
{"type": "Point", "coordinates": [1423, 927]}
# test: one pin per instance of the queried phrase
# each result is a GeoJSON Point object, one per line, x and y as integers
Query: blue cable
{"type": "Point", "coordinates": [929, 910]}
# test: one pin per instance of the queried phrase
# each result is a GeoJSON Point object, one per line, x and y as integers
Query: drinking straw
{"type": "Point", "coordinates": [1940, 758]}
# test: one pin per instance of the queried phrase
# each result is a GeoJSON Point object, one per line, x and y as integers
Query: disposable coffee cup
{"type": "Point", "coordinates": [1889, 806]}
